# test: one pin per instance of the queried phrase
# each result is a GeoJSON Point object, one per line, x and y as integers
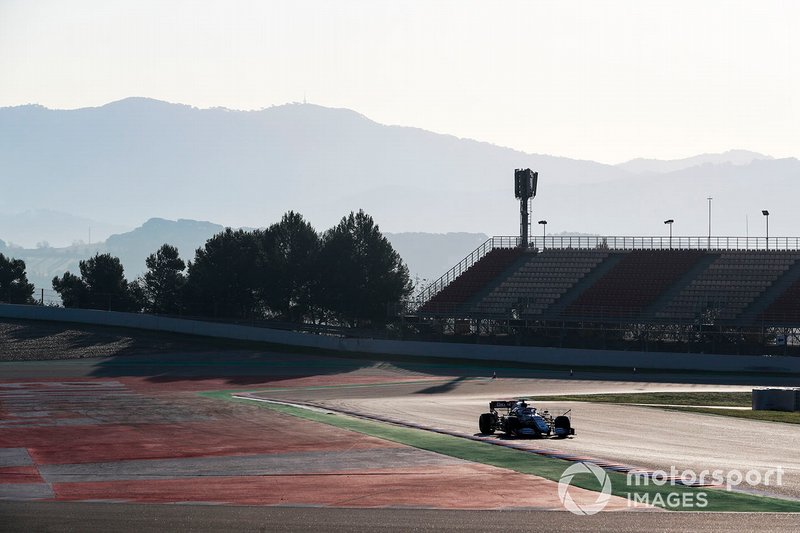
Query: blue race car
{"type": "Point", "coordinates": [516, 418]}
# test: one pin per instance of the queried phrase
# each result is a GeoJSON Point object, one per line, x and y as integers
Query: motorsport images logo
{"type": "Point", "coordinates": [581, 507]}
{"type": "Point", "coordinates": [585, 502]}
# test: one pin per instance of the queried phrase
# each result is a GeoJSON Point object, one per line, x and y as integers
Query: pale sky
{"type": "Point", "coordinates": [598, 80]}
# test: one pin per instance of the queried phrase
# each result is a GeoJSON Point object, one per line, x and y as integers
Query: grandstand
{"type": "Point", "coordinates": [687, 292]}
{"type": "Point", "coordinates": [695, 282]}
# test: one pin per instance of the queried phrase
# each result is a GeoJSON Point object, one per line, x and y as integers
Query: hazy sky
{"type": "Point", "coordinates": [599, 80]}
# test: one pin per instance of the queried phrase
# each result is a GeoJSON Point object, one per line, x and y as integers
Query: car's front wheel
{"type": "Point", "coordinates": [562, 426]}
{"type": "Point", "coordinates": [511, 425]}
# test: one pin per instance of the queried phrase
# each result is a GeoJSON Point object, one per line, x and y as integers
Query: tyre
{"type": "Point", "coordinates": [486, 423]}
{"type": "Point", "coordinates": [511, 425]}
{"type": "Point", "coordinates": [563, 427]}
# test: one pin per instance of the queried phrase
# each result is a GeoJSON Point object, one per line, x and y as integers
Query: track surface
{"type": "Point", "coordinates": [131, 430]}
{"type": "Point", "coordinates": [134, 430]}
{"type": "Point", "coordinates": [25, 517]}
{"type": "Point", "coordinates": [644, 437]}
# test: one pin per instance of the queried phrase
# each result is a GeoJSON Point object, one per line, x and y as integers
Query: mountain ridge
{"type": "Point", "coordinates": [135, 158]}
{"type": "Point", "coordinates": [737, 157]}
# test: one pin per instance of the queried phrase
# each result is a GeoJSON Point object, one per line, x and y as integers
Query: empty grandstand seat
{"type": "Point", "coordinates": [729, 285]}
{"type": "Point", "coordinates": [471, 281]}
{"type": "Point", "coordinates": [539, 282]}
{"type": "Point", "coordinates": [785, 308]}
{"type": "Point", "coordinates": [634, 283]}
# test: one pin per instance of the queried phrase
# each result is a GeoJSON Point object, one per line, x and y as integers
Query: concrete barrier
{"type": "Point", "coordinates": [525, 354]}
{"type": "Point", "coordinates": [776, 399]}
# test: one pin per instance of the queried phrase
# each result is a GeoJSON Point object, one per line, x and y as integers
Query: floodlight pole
{"type": "Point", "coordinates": [709, 221]}
{"type": "Point", "coordinates": [669, 223]}
{"type": "Point", "coordinates": [544, 233]}
{"type": "Point", "coordinates": [766, 216]}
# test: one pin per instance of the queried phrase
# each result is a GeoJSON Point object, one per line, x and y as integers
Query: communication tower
{"type": "Point", "coordinates": [525, 182]}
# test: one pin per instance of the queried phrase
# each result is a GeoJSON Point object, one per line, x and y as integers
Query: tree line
{"type": "Point", "coordinates": [14, 286]}
{"type": "Point", "coordinates": [346, 275]}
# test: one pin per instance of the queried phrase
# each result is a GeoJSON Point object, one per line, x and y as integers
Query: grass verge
{"type": "Point", "coordinates": [722, 399]}
{"type": "Point", "coordinates": [523, 462]}
{"type": "Point", "coordinates": [763, 416]}
{"type": "Point", "coordinates": [675, 400]}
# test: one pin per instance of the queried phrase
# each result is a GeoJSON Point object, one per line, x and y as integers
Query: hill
{"type": "Point", "coordinates": [659, 166]}
{"type": "Point", "coordinates": [133, 247]}
{"type": "Point", "coordinates": [137, 158]}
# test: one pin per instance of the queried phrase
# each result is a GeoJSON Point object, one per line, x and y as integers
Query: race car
{"type": "Point", "coordinates": [521, 420]}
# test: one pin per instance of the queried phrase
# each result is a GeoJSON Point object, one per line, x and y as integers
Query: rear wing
{"type": "Point", "coordinates": [501, 404]}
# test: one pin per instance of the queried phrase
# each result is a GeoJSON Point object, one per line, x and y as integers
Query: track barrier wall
{"type": "Point", "coordinates": [526, 354]}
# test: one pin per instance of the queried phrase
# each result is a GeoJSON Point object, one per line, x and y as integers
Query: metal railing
{"type": "Point", "coordinates": [665, 243]}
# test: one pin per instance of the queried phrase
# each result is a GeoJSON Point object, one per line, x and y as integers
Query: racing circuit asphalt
{"type": "Point", "coordinates": [68, 517]}
{"type": "Point", "coordinates": [132, 431]}
{"type": "Point", "coordinates": [643, 437]}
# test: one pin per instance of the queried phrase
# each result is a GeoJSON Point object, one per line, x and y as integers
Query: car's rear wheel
{"type": "Point", "coordinates": [486, 423]}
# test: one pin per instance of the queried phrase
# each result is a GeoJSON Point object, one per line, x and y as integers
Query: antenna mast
{"type": "Point", "coordinates": [525, 182]}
